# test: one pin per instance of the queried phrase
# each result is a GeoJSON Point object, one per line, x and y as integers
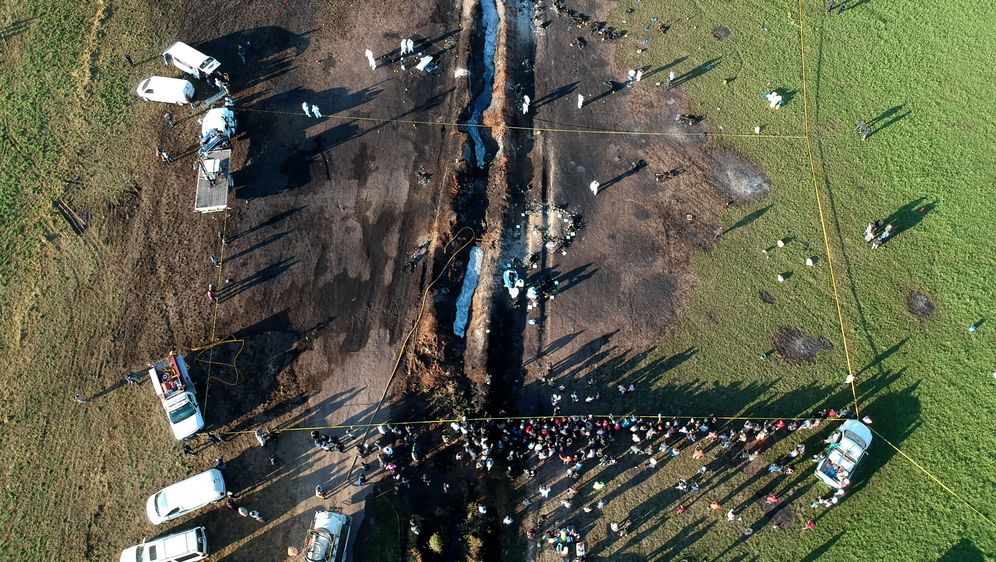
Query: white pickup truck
{"type": "Point", "coordinates": [176, 392]}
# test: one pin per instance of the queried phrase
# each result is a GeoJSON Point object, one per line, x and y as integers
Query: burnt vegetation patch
{"type": "Point", "coordinates": [919, 304]}
{"type": "Point", "coordinates": [796, 347]}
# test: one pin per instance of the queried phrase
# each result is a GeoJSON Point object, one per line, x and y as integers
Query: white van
{"type": "Point", "coordinates": [185, 546]}
{"type": "Point", "coordinates": [186, 496]}
{"type": "Point", "coordinates": [190, 60]}
{"type": "Point", "coordinates": [166, 90]}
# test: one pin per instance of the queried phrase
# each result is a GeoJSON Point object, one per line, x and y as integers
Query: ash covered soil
{"type": "Point", "coordinates": [625, 279]}
{"type": "Point", "coordinates": [323, 217]}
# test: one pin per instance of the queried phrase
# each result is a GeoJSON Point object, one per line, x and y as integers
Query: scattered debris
{"type": "Point", "coordinates": [423, 176]}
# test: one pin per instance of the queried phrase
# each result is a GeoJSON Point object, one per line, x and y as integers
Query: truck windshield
{"type": "Point", "coordinates": [207, 62]}
{"type": "Point", "coordinates": [183, 412]}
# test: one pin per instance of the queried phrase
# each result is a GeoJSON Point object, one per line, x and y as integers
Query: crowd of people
{"type": "Point", "coordinates": [517, 449]}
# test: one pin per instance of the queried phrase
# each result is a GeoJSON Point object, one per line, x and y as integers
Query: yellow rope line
{"type": "Point", "coordinates": [540, 129]}
{"type": "Point", "coordinates": [516, 418]}
{"type": "Point", "coordinates": [840, 315]}
{"type": "Point", "coordinates": [210, 377]}
{"type": "Point", "coordinates": [819, 207]}
{"type": "Point", "coordinates": [934, 478]}
{"type": "Point", "coordinates": [404, 343]}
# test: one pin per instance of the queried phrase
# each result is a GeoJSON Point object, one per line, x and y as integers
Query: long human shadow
{"type": "Point", "coordinates": [266, 57]}
{"type": "Point", "coordinates": [16, 28]}
{"type": "Point", "coordinates": [909, 216]}
{"type": "Point", "coordinates": [111, 388]}
{"type": "Point", "coordinates": [268, 222]}
{"type": "Point", "coordinates": [612, 88]}
{"type": "Point", "coordinates": [573, 277]}
{"type": "Point", "coordinates": [824, 548]}
{"type": "Point", "coordinates": [887, 118]}
{"type": "Point", "coordinates": [696, 72]}
{"type": "Point", "coordinates": [421, 44]}
{"type": "Point", "coordinates": [258, 245]}
{"type": "Point", "coordinates": [268, 273]}
{"type": "Point", "coordinates": [631, 171]}
{"type": "Point", "coordinates": [748, 219]}
{"type": "Point", "coordinates": [665, 67]}
{"type": "Point", "coordinates": [554, 346]}
{"type": "Point", "coordinates": [556, 94]}
{"type": "Point", "coordinates": [852, 5]}
{"type": "Point", "coordinates": [580, 355]}
{"type": "Point", "coordinates": [878, 359]}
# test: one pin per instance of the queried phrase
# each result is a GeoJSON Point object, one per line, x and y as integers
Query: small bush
{"type": "Point", "coordinates": [436, 543]}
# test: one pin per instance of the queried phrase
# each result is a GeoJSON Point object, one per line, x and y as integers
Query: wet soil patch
{"type": "Point", "coordinates": [796, 347]}
{"type": "Point", "coordinates": [920, 304]}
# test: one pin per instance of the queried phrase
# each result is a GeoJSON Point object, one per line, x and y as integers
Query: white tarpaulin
{"type": "Point", "coordinates": [467, 291]}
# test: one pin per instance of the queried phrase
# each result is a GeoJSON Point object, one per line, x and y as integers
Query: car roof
{"type": "Point", "coordinates": [179, 543]}
{"type": "Point", "coordinates": [163, 82]}
{"type": "Point", "coordinates": [186, 53]}
{"type": "Point", "coordinates": [858, 430]}
{"type": "Point", "coordinates": [193, 491]}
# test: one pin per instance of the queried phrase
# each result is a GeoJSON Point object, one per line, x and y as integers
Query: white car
{"type": "Point", "coordinates": [185, 496]}
{"type": "Point", "coordinates": [190, 60]}
{"type": "Point", "coordinates": [847, 447]}
{"type": "Point", "coordinates": [166, 90]}
{"type": "Point", "coordinates": [171, 381]}
{"type": "Point", "coordinates": [185, 546]}
{"type": "Point", "coordinates": [327, 538]}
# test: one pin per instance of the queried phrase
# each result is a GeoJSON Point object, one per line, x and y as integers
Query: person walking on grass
{"type": "Point", "coordinates": [882, 237]}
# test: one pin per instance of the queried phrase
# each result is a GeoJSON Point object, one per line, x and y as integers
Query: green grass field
{"type": "Point", "coordinates": [74, 477]}
{"type": "Point", "coordinates": [916, 73]}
